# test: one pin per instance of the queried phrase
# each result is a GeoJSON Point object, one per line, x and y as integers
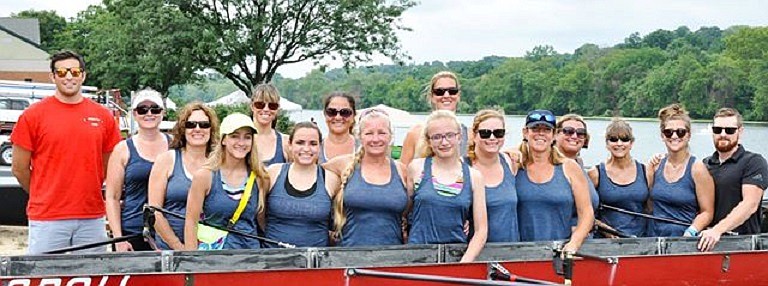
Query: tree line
{"type": "Point", "coordinates": [131, 44]}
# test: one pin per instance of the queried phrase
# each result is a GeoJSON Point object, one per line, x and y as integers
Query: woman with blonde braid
{"type": "Point", "coordinates": [218, 188]}
{"type": "Point", "coordinates": [499, 174]}
{"type": "Point", "coordinates": [369, 207]}
{"type": "Point", "coordinates": [446, 191]}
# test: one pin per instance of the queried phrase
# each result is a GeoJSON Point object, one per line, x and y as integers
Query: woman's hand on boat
{"type": "Point", "coordinates": [709, 238]}
{"type": "Point", "coordinates": [123, 246]}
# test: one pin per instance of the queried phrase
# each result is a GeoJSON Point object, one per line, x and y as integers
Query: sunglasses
{"type": "Point", "coordinates": [143, 109]}
{"type": "Point", "coordinates": [615, 139]}
{"type": "Point", "coordinates": [260, 105]}
{"type": "Point", "coordinates": [344, 112]}
{"type": "Point", "coordinates": [62, 72]}
{"type": "Point", "coordinates": [540, 117]}
{"type": "Point", "coordinates": [196, 124]}
{"type": "Point", "coordinates": [450, 136]}
{"type": "Point", "coordinates": [680, 132]}
{"type": "Point", "coordinates": [569, 131]}
{"type": "Point", "coordinates": [486, 133]}
{"type": "Point", "coordinates": [441, 91]}
{"type": "Point", "coordinates": [728, 130]}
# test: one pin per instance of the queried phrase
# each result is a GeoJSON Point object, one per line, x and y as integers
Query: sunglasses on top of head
{"type": "Point", "coordinates": [144, 109]}
{"type": "Point", "coordinates": [615, 139]}
{"type": "Point", "coordinates": [541, 117]}
{"type": "Point", "coordinates": [680, 132]}
{"type": "Point", "coordinates": [195, 124]}
{"type": "Point", "coordinates": [260, 105]}
{"type": "Point", "coordinates": [441, 91]}
{"type": "Point", "coordinates": [569, 131]}
{"type": "Point", "coordinates": [62, 72]}
{"type": "Point", "coordinates": [486, 133]}
{"type": "Point", "coordinates": [728, 130]}
{"type": "Point", "coordinates": [344, 112]}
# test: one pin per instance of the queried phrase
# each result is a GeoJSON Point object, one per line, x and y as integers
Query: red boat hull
{"type": "Point", "coordinates": [737, 268]}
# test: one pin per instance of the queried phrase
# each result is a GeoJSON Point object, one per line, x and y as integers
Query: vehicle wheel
{"type": "Point", "coordinates": [5, 155]}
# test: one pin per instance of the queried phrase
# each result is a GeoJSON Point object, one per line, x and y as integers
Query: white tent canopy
{"type": "Point", "coordinates": [239, 97]}
{"type": "Point", "coordinates": [398, 117]}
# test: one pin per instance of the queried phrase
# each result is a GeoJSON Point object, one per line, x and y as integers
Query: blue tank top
{"type": "Point", "coordinates": [501, 203]}
{"type": "Point", "coordinates": [176, 199]}
{"type": "Point", "coordinates": [321, 155]}
{"type": "Point", "coordinates": [278, 156]}
{"type": "Point", "coordinates": [135, 183]}
{"type": "Point", "coordinates": [544, 210]}
{"type": "Point", "coordinates": [220, 205]}
{"type": "Point", "coordinates": [594, 199]}
{"type": "Point", "coordinates": [437, 218]}
{"type": "Point", "coordinates": [300, 220]}
{"type": "Point", "coordinates": [374, 212]}
{"type": "Point", "coordinates": [631, 197]}
{"type": "Point", "coordinates": [676, 200]}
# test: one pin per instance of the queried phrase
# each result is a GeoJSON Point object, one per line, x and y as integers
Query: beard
{"type": "Point", "coordinates": [725, 145]}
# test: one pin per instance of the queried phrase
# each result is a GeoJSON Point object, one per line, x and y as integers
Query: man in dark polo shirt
{"type": "Point", "coordinates": [740, 178]}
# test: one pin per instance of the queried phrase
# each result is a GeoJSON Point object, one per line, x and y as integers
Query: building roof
{"type": "Point", "coordinates": [20, 37]}
{"type": "Point", "coordinates": [28, 28]}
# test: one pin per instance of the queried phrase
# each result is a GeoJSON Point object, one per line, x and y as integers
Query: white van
{"type": "Point", "coordinates": [10, 110]}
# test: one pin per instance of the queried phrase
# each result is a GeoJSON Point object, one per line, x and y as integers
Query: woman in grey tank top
{"type": "Point", "coordinates": [169, 181]}
{"type": "Point", "coordinates": [234, 158]}
{"type": "Point", "coordinates": [339, 110]}
{"type": "Point", "coordinates": [129, 167]}
{"type": "Point", "coordinates": [446, 192]}
{"type": "Point", "coordinates": [442, 93]}
{"type": "Point", "coordinates": [265, 104]}
{"type": "Point", "coordinates": [550, 187]}
{"type": "Point", "coordinates": [371, 202]}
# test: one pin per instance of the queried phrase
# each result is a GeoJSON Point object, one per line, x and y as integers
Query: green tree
{"type": "Point", "coordinates": [247, 41]}
{"type": "Point", "coordinates": [50, 25]}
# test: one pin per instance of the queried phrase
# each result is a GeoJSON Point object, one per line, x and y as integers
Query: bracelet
{"type": "Point", "coordinates": [692, 231]}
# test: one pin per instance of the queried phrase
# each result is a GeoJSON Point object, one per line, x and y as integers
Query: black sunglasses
{"type": "Point", "coordinates": [143, 109]}
{"type": "Point", "coordinates": [540, 117]}
{"type": "Point", "coordinates": [195, 124]}
{"type": "Point", "coordinates": [615, 139]}
{"type": "Point", "coordinates": [680, 132]}
{"type": "Point", "coordinates": [441, 91]}
{"type": "Point", "coordinates": [344, 112]}
{"type": "Point", "coordinates": [261, 104]}
{"type": "Point", "coordinates": [569, 131]}
{"type": "Point", "coordinates": [728, 130]}
{"type": "Point", "coordinates": [486, 133]}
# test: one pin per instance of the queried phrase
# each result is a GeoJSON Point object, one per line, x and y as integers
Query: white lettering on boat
{"type": "Point", "coordinates": [74, 281]}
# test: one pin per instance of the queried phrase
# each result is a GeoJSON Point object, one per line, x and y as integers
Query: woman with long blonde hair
{"type": "Point", "coordinates": [371, 202]}
{"type": "Point", "coordinates": [194, 137]}
{"type": "Point", "coordinates": [218, 188]}
{"type": "Point", "coordinates": [445, 190]}
{"type": "Point", "coordinates": [550, 187]}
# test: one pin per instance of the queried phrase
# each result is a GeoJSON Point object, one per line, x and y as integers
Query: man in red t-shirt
{"type": "Point", "coordinates": [60, 150]}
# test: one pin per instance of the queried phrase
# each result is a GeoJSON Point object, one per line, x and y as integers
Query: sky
{"type": "Point", "coordinates": [449, 30]}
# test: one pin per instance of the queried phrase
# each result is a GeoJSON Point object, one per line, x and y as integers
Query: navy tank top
{"type": "Point", "coordinates": [220, 205]}
{"type": "Point", "coordinates": [278, 156]}
{"type": "Point", "coordinates": [501, 204]}
{"type": "Point", "coordinates": [301, 219]}
{"type": "Point", "coordinates": [675, 200]}
{"type": "Point", "coordinates": [374, 212]}
{"type": "Point", "coordinates": [321, 155]}
{"type": "Point", "coordinates": [544, 210]}
{"type": "Point", "coordinates": [594, 199]}
{"type": "Point", "coordinates": [176, 199]}
{"type": "Point", "coordinates": [135, 183]}
{"type": "Point", "coordinates": [631, 197]}
{"type": "Point", "coordinates": [437, 218]}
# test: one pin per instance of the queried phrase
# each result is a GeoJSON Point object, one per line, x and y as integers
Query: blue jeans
{"type": "Point", "coordinates": [50, 235]}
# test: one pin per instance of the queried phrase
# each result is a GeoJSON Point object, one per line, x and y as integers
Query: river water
{"type": "Point", "coordinates": [647, 142]}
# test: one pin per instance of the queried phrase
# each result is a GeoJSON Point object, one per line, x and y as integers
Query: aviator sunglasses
{"type": "Point", "coordinates": [194, 124]}
{"type": "Point", "coordinates": [680, 132]}
{"type": "Point", "coordinates": [344, 112]}
{"type": "Point", "coordinates": [62, 72]}
{"type": "Point", "coordinates": [441, 91]}
{"type": "Point", "coordinates": [260, 105]}
{"type": "Point", "coordinates": [486, 133]}
{"type": "Point", "coordinates": [143, 109]}
{"type": "Point", "coordinates": [728, 130]}
{"type": "Point", "coordinates": [569, 131]}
